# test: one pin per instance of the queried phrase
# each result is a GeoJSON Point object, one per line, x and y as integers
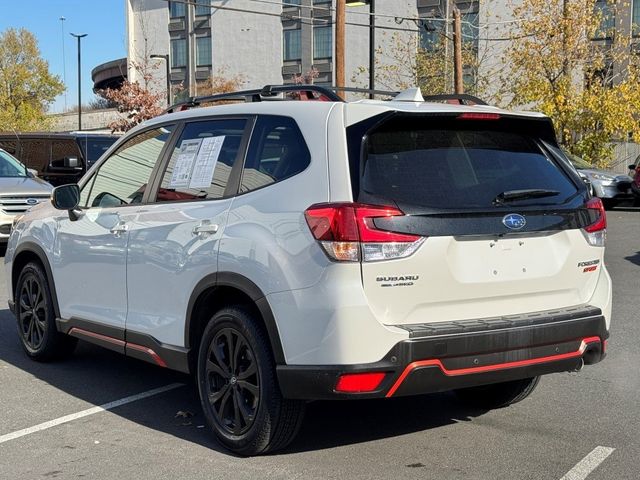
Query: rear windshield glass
{"type": "Point", "coordinates": [456, 163]}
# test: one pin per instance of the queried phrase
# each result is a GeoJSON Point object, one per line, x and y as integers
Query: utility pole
{"type": "Point", "coordinates": [457, 51]}
{"type": "Point", "coordinates": [372, 47]}
{"type": "Point", "coordinates": [340, 38]}
{"type": "Point", "coordinates": [79, 37]}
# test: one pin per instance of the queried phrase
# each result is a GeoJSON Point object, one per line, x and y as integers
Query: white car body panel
{"type": "Point", "coordinates": [166, 260]}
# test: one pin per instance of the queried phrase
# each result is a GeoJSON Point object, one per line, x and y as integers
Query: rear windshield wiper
{"type": "Point", "coordinates": [514, 195]}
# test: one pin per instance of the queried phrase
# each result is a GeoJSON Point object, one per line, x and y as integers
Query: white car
{"type": "Point", "coordinates": [20, 189]}
{"type": "Point", "coordinates": [287, 251]}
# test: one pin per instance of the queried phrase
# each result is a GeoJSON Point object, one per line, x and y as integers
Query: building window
{"type": "Point", "coordinates": [291, 45]}
{"type": "Point", "coordinates": [203, 7]}
{"type": "Point", "coordinates": [203, 51]}
{"type": "Point", "coordinates": [322, 42]}
{"type": "Point", "coordinates": [606, 14]}
{"type": "Point", "coordinates": [635, 18]}
{"type": "Point", "coordinates": [178, 53]}
{"type": "Point", "coordinates": [431, 34]}
{"type": "Point", "coordinates": [290, 2]}
{"type": "Point", "coordinates": [176, 9]}
{"type": "Point", "coordinates": [470, 29]}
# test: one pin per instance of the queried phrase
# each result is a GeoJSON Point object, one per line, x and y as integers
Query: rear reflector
{"type": "Point", "coordinates": [596, 232]}
{"type": "Point", "coordinates": [359, 382]}
{"type": "Point", "coordinates": [347, 232]}
{"type": "Point", "coordinates": [478, 116]}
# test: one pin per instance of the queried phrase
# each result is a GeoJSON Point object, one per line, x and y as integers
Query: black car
{"type": "Point", "coordinates": [59, 158]}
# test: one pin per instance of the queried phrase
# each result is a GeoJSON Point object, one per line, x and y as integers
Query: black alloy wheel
{"type": "Point", "coordinates": [238, 385]}
{"type": "Point", "coordinates": [32, 312]}
{"type": "Point", "coordinates": [232, 381]}
{"type": "Point", "coordinates": [36, 319]}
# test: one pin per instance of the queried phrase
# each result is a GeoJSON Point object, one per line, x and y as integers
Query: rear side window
{"type": "Point", "coordinates": [277, 151]}
{"type": "Point", "coordinates": [201, 162]}
{"type": "Point", "coordinates": [452, 163]}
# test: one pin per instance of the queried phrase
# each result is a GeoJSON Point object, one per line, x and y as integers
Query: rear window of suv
{"type": "Point", "coordinates": [448, 163]}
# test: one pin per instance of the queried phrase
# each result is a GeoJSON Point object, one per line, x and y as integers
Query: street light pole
{"type": "Point", "coordinates": [79, 37]}
{"type": "Point", "coordinates": [168, 73]}
{"type": "Point", "coordinates": [64, 64]}
{"type": "Point", "coordinates": [372, 47]}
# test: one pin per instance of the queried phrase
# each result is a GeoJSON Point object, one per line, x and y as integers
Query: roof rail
{"type": "Point", "coordinates": [462, 98]}
{"type": "Point", "coordinates": [258, 95]}
{"type": "Point", "coordinates": [323, 93]}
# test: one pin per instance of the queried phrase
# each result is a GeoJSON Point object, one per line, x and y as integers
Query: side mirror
{"type": "Point", "coordinates": [71, 162]}
{"type": "Point", "coordinates": [33, 172]}
{"type": "Point", "coordinates": [67, 197]}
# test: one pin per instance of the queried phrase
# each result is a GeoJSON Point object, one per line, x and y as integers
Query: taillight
{"type": "Point", "coordinates": [596, 232]}
{"type": "Point", "coordinates": [347, 232]}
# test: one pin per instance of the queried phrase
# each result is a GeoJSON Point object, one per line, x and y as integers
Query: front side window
{"type": "Point", "coordinates": [201, 162]}
{"type": "Point", "coordinates": [277, 151]}
{"type": "Point", "coordinates": [123, 177]}
{"type": "Point", "coordinates": [291, 45]}
{"type": "Point", "coordinates": [178, 52]}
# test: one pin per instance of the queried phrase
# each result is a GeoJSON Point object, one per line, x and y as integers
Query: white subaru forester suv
{"type": "Point", "coordinates": [287, 251]}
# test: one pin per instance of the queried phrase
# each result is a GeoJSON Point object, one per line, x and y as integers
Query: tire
{"type": "Point", "coordinates": [498, 395]}
{"type": "Point", "coordinates": [239, 393]}
{"type": "Point", "coordinates": [609, 203]}
{"type": "Point", "coordinates": [37, 329]}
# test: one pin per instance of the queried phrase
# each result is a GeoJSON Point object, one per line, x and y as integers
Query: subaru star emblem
{"type": "Point", "coordinates": [514, 221]}
{"type": "Point", "coordinates": [31, 201]}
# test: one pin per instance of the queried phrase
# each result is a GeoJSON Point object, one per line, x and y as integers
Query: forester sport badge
{"type": "Point", "coordinates": [514, 221]}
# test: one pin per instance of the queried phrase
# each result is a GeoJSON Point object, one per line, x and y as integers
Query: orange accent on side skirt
{"type": "Point", "coordinates": [121, 343]}
{"type": "Point", "coordinates": [489, 368]}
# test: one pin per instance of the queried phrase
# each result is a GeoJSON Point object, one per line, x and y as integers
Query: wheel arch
{"type": "Point", "coordinates": [227, 288]}
{"type": "Point", "coordinates": [25, 253]}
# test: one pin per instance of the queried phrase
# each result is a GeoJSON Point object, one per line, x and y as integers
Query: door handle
{"type": "Point", "coordinates": [205, 228]}
{"type": "Point", "coordinates": [119, 229]}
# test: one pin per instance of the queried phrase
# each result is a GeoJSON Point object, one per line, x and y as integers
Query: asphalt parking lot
{"type": "Point", "coordinates": [575, 426]}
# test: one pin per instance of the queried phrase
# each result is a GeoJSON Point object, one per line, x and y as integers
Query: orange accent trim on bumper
{"type": "Point", "coordinates": [98, 336]}
{"type": "Point", "coordinates": [156, 358]}
{"type": "Point", "coordinates": [121, 343]}
{"type": "Point", "coordinates": [489, 368]}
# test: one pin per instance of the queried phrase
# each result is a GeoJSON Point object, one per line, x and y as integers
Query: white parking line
{"type": "Point", "coordinates": [89, 411]}
{"type": "Point", "coordinates": [588, 464]}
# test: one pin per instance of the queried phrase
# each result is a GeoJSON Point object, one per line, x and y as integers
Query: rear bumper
{"type": "Point", "coordinates": [440, 357]}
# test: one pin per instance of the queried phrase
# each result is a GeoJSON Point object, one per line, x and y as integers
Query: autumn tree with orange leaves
{"type": "Point", "coordinates": [568, 60]}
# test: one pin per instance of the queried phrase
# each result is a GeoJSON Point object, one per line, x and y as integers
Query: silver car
{"type": "Point", "coordinates": [610, 187]}
{"type": "Point", "coordinates": [20, 189]}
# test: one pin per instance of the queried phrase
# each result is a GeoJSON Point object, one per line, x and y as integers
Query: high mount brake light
{"type": "Point", "coordinates": [596, 233]}
{"type": "Point", "coordinates": [347, 232]}
{"type": "Point", "coordinates": [478, 116]}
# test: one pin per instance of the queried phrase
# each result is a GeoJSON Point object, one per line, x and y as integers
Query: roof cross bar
{"type": "Point", "coordinates": [257, 95]}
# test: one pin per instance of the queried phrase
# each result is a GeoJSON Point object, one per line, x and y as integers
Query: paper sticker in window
{"type": "Point", "coordinates": [205, 164]}
{"type": "Point", "coordinates": [184, 163]}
